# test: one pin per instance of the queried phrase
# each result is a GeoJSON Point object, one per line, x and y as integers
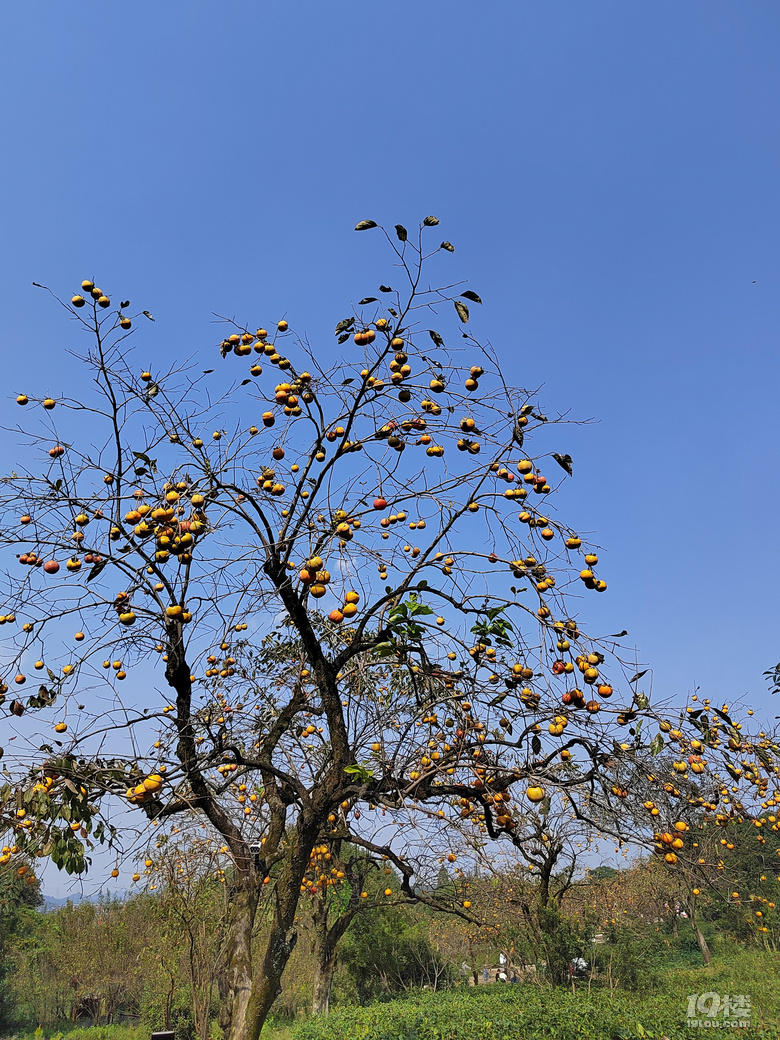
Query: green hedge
{"type": "Point", "coordinates": [524, 1012]}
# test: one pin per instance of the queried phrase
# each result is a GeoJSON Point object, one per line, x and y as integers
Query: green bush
{"type": "Point", "coordinates": [386, 953]}
{"type": "Point", "coordinates": [627, 960]}
{"type": "Point", "coordinates": [105, 1032]}
{"type": "Point", "coordinates": [521, 1012]}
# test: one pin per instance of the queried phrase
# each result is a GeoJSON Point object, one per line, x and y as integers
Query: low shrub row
{"type": "Point", "coordinates": [523, 1012]}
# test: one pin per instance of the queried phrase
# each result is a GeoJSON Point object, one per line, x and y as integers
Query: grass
{"type": "Point", "coordinates": [533, 1012]}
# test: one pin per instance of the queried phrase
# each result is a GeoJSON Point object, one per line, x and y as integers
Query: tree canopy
{"type": "Point", "coordinates": [290, 595]}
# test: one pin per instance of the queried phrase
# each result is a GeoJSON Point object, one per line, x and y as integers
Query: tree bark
{"type": "Point", "coordinates": [239, 1016]}
{"type": "Point", "coordinates": [324, 971]}
{"type": "Point", "coordinates": [705, 950]}
{"type": "Point", "coordinates": [248, 994]}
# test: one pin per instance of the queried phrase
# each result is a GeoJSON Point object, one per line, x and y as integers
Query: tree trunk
{"type": "Point", "coordinates": [705, 950]}
{"type": "Point", "coordinates": [323, 977]}
{"type": "Point", "coordinates": [326, 940]}
{"type": "Point", "coordinates": [239, 1017]}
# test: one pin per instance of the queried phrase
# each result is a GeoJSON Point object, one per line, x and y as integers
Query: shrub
{"type": "Point", "coordinates": [514, 1012]}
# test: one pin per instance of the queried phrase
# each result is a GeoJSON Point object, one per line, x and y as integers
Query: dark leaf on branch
{"type": "Point", "coordinates": [148, 315]}
{"type": "Point", "coordinates": [151, 463]}
{"type": "Point", "coordinates": [618, 635]}
{"type": "Point", "coordinates": [463, 311]}
{"type": "Point", "coordinates": [436, 337]}
{"type": "Point", "coordinates": [518, 436]}
{"type": "Point", "coordinates": [343, 337]}
{"type": "Point", "coordinates": [400, 230]}
{"type": "Point", "coordinates": [385, 288]}
{"type": "Point", "coordinates": [539, 416]}
{"type": "Point", "coordinates": [564, 461]}
{"type": "Point", "coordinates": [536, 744]}
{"type": "Point", "coordinates": [395, 315]}
{"type": "Point", "coordinates": [430, 221]}
{"type": "Point", "coordinates": [469, 294]}
{"type": "Point", "coordinates": [638, 676]}
{"type": "Point", "coordinates": [124, 303]}
{"type": "Point", "coordinates": [448, 246]}
{"type": "Point", "coordinates": [366, 225]}
{"type": "Point", "coordinates": [342, 326]}
{"type": "Point", "coordinates": [245, 381]}
{"type": "Point", "coordinates": [207, 371]}
{"type": "Point", "coordinates": [367, 299]}
{"type": "Point", "coordinates": [346, 382]}
{"type": "Point", "coordinates": [656, 744]}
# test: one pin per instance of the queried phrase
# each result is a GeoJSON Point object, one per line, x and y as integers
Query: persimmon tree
{"type": "Point", "coordinates": [306, 598]}
{"type": "Point", "coordinates": [192, 905]}
{"type": "Point", "coordinates": [344, 884]}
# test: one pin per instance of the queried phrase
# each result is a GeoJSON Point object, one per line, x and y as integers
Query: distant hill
{"type": "Point", "coordinates": [52, 902]}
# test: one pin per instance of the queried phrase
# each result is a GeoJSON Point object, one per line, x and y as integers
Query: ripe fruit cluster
{"type": "Point", "coordinates": [99, 297]}
{"type": "Point", "coordinates": [146, 788]}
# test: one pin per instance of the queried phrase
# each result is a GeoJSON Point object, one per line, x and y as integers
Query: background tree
{"type": "Point", "coordinates": [169, 524]}
{"type": "Point", "coordinates": [192, 904]}
{"type": "Point", "coordinates": [20, 893]}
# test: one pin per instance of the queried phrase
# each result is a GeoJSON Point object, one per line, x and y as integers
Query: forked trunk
{"type": "Point", "coordinates": [326, 940]}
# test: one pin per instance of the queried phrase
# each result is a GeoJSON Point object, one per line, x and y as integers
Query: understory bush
{"type": "Point", "coordinates": [520, 1012]}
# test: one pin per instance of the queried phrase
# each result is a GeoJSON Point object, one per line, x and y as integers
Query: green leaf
{"type": "Point", "coordinates": [763, 757]}
{"type": "Point", "coordinates": [365, 225]}
{"type": "Point", "coordinates": [463, 311]}
{"type": "Point", "coordinates": [384, 649]}
{"type": "Point", "coordinates": [361, 773]}
{"type": "Point", "coordinates": [342, 326]}
{"type": "Point", "coordinates": [151, 463]}
{"type": "Point", "coordinates": [656, 744]}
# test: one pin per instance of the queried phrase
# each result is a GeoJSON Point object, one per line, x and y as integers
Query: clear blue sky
{"type": "Point", "coordinates": [607, 170]}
